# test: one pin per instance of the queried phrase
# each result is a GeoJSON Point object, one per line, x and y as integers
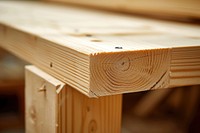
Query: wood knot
{"type": "Point", "coordinates": [88, 35]}
{"type": "Point", "coordinates": [123, 64]}
{"type": "Point", "coordinates": [51, 64]}
{"type": "Point", "coordinates": [88, 109]}
{"type": "Point", "coordinates": [92, 127]}
{"type": "Point", "coordinates": [118, 47]}
{"type": "Point", "coordinates": [32, 113]}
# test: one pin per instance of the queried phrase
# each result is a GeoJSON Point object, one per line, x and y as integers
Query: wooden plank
{"type": "Point", "coordinates": [60, 108]}
{"type": "Point", "coordinates": [41, 101]}
{"type": "Point", "coordinates": [173, 9]}
{"type": "Point", "coordinates": [98, 58]}
{"type": "Point", "coordinates": [78, 113]}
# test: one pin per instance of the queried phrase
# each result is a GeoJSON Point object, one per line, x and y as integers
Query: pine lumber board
{"type": "Point", "coordinates": [171, 9]}
{"type": "Point", "coordinates": [78, 113]}
{"type": "Point", "coordinates": [41, 101]}
{"type": "Point", "coordinates": [101, 53]}
{"type": "Point", "coordinates": [54, 107]}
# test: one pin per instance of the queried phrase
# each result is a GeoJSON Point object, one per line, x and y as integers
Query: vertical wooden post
{"type": "Point", "coordinates": [53, 107]}
{"type": "Point", "coordinates": [41, 101]}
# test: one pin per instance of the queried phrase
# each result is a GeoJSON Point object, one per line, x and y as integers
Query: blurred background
{"type": "Point", "coordinates": [11, 93]}
{"type": "Point", "coordinates": [175, 110]}
{"type": "Point", "coordinates": [161, 111]}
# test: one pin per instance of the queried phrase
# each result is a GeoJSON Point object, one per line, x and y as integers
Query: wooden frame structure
{"type": "Point", "coordinates": [80, 53]}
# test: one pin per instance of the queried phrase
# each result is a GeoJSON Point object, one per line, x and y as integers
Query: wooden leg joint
{"type": "Point", "coordinates": [65, 110]}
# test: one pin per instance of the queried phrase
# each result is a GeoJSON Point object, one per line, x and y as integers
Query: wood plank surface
{"type": "Point", "coordinates": [171, 9]}
{"type": "Point", "coordinates": [101, 53]}
{"type": "Point", "coordinates": [54, 107]}
{"type": "Point", "coordinates": [78, 113]}
{"type": "Point", "coordinates": [41, 101]}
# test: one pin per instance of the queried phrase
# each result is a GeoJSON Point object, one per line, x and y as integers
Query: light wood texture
{"type": "Point", "coordinates": [174, 9]}
{"type": "Point", "coordinates": [101, 53]}
{"type": "Point", "coordinates": [53, 107]}
{"type": "Point", "coordinates": [78, 113]}
{"type": "Point", "coordinates": [41, 101]}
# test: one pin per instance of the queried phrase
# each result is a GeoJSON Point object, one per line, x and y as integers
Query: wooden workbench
{"type": "Point", "coordinates": [98, 53]}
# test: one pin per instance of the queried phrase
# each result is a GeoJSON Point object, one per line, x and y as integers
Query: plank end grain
{"type": "Point", "coordinates": [124, 72]}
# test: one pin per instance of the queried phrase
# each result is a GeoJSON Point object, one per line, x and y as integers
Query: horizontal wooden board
{"type": "Point", "coordinates": [186, 10]}
{"type": "Point", "coordinates": [101, 53]}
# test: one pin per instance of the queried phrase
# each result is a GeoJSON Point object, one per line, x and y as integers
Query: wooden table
{"type": "Point", "coordinates": [86, 59]}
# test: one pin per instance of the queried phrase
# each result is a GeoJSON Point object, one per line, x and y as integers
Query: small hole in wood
{"type": "Point", "coordinates": [123, 63]}
{"type": "Point", "coordinates": [88, 109]}
{"type": "Point", "coordinates": [51, 64]}
{"type": "Point", "coordinates": [118, 48]}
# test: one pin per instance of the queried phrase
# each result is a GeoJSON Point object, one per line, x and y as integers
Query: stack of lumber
{"type": "Point", "coordinates": [171, 9]}
{"type": "Point", "coordinates": [101, 53]}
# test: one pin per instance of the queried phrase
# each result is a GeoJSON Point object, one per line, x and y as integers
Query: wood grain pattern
{"type": "Point", "coordinates": [79, 113]}
{"type": "Point", "coordinates": [41, 101]}
{"type": "Point", "coordinates": [62, 109]}
{"type": "Point", "coordinates": [173, 9]}
{"type": "Point", "coordinates": [101, 53]}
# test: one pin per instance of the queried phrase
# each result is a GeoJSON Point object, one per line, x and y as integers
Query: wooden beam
{"type": "Point", "coordinates": [53, 107]}
{"type": "Point", "coordinates": [98, 58]}
{"type": "Point", "coordinates": [83, 114]}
